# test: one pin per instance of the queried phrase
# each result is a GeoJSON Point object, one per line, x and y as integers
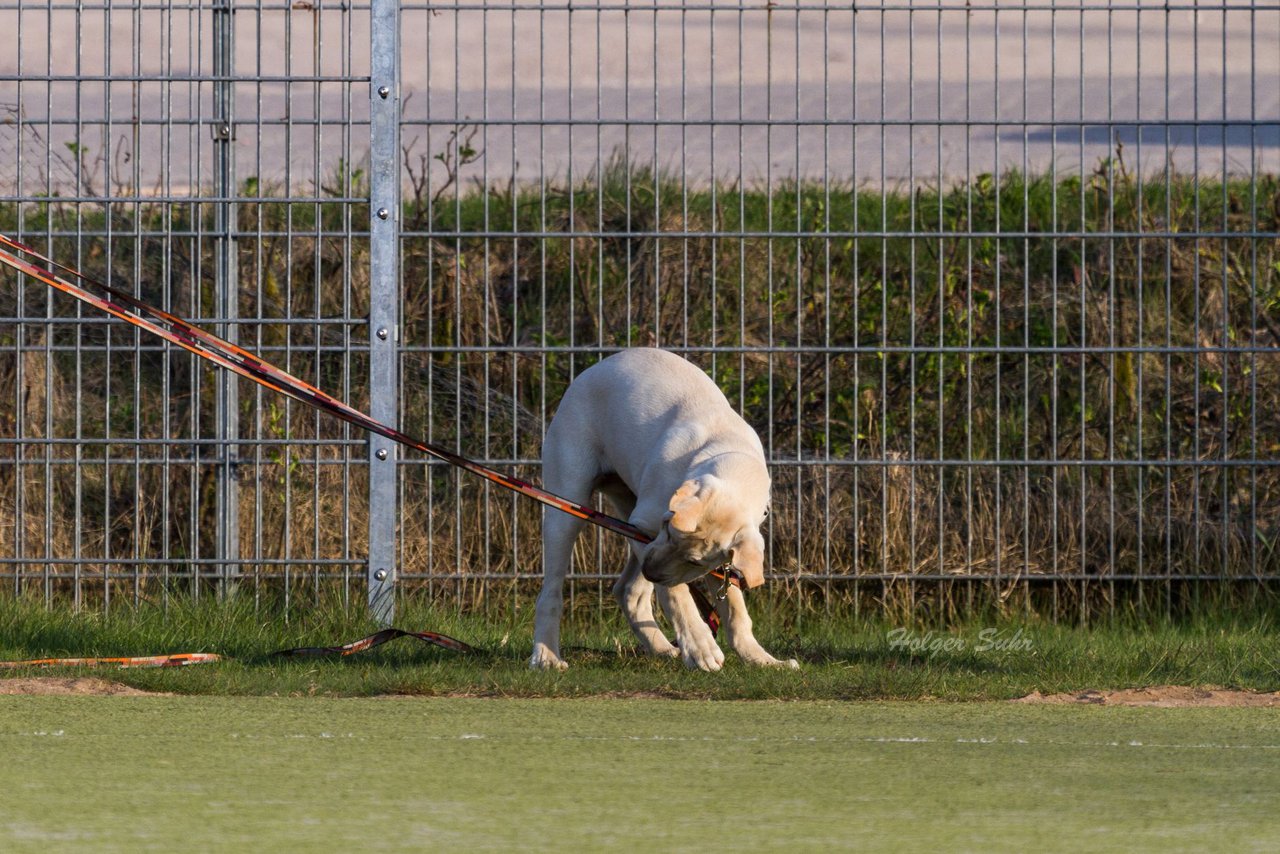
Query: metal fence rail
{"type": "Point", "coordinates": [998, 284]}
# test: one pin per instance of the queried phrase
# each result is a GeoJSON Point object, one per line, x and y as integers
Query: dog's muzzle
{"type": "Point", "coordinates": [648, 571]}
{"type": "Point", "coordinates": [726, 573]}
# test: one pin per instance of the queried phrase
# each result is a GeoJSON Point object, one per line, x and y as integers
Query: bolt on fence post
{"type": "Point", "coordinates": [226, 302]}
{"type": "Point", "coordinates": [384, 299]}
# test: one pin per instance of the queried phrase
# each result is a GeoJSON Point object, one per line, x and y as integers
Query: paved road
{"type": "Point", "coordinates": [758, 95]}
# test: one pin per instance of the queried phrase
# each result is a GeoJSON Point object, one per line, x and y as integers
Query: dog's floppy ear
{"type": "Point", "coordinates": [686, 507]}
{"type": "Point", "coordinates": [748, 558]}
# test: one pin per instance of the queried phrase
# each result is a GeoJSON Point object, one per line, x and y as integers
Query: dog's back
{"type": "Point", "coordinates": [666, 407]}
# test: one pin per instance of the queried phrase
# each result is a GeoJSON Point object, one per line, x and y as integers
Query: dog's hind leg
{"type": "Point", "coordinates": [634, 593]}
{"type": "Point", "coordinates": [560, 533]}
{"type": "Point", "coordinates": [632, 590]}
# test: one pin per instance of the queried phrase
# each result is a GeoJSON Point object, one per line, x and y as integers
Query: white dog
{"type": "Point", "coordinates": [656, 436]}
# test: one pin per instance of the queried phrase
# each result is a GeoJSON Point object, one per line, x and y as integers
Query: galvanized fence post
{"type": "Point", "coordinates": [384, 298]}
{"type": "Point", "coordinates": [226, 296]}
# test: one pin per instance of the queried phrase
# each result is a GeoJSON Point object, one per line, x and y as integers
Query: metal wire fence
{"type": "Point", "coordinates": [998, 284]}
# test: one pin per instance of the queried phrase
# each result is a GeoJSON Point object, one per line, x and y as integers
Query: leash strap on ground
{"type": "Point", "coordinates": [188, 658]}
{"type": "Point", "coordinates": [376, 639]}
{"type": "Point", "coordinates": [177, 660]}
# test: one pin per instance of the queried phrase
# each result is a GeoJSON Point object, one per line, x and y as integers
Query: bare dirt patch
{"type": "Point", "coordinates": [1161, 696]}
{"type": "Point", "coordinates": [48, 686]}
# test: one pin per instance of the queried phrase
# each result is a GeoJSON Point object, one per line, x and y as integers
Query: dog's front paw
{"type": "Point", "coordinates": [544, 659]}
{"type": "Point", "coordinates": [701, 652]}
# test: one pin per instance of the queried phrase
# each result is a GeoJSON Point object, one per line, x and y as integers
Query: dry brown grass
{"type": "Point", "coordinates": [854, 417]}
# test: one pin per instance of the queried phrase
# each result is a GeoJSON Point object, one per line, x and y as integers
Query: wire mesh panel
{"type": "Point", "coordinates": [206, 157]}
{"type": "Point", "coordinates": [996, 283]}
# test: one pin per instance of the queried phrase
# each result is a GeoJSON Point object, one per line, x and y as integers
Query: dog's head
{"type": "Point", "coordinates": [705, 521]}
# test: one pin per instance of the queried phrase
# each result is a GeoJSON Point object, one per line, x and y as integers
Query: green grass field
{"type": "Point", "coordinates": [207, 773]}
{"type": "Point", "coordinates": [843, 657]}
{"type": "Point", "coordinates": [410, 747]}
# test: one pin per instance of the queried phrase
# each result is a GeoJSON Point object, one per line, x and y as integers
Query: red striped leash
{"type": "Point", "coordinates": [226, 355]}
{"type": "Point", "coordinates": [223, 353]}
